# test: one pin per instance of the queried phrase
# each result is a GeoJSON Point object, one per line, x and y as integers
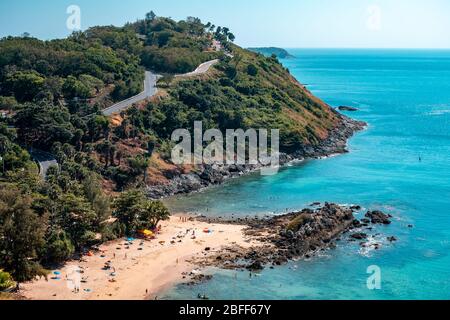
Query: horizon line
{"type": "Point", "coordinates": [354, 48]}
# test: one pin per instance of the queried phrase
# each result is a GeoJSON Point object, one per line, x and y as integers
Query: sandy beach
{"type": "Point", "coordinates": [141, 270]}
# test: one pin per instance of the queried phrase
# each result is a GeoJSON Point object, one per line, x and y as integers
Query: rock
{"type": "Point", "coordinates": [356, 208]}
{"type": "Point", "coordinates": [359, 236]}
{"type": "Point", "coordinates": [182, 182]}
{"type": "Point", "coordinates": [392, 239]}
{"type": "Point", "coordinates": [314, 204]}
{"type": "Point", "coordinates": [378, 217]}
{"type": "Point", "coordinates": [255, 266]}
{"type": "Point", "coordinates": [357, 223]}
{"type": "Point", "coordinates": [295, 235]}
{"type": "Point", "coordinates": [346, 108]}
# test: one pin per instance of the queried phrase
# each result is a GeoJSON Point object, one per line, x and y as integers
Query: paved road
{"type": "Point", "coordinates": [150, 88]}
{"type": "Point", "coordinates": [45, 161]}
{"type": "Point", "coordinates": [203, 68]}
{"type": "Point", "coordinates": [149, 91]}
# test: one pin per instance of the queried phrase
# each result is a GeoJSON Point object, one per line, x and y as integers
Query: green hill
{"type": "Point", "coordinates": [269, 51]}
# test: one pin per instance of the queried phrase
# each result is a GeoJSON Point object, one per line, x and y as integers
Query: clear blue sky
{"type": "Point", "coordinates": [284, 23]}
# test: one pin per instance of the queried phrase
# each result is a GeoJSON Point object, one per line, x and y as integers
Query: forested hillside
{"type": "Point", "coordinates": [51, 95]}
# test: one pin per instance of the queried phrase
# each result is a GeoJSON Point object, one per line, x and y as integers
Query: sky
{"type": "Point", "coordinates": [281, 23]}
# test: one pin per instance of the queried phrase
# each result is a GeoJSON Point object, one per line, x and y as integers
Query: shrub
{"type": "Point", "coordinates": [252, 70]}
{"type": "Point", "coordinates": [6, 281]}
{"type": "Point", "coordinates": [59, 247]}
{"type": "Point", "coordinates": [298, 222]}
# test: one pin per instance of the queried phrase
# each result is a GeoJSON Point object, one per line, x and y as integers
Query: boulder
{"type": "Point", "coordinates": [378, 217]}
{"type": "Point", "coordinates": [347, 108]}
{"type": "Point", "coordinates": [255, 266]}
{"type": "Point", "coordinates": [359, 236]}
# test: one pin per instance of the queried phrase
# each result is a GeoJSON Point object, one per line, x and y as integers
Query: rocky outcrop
{"type": "Point", "coordinates": [378, 217]}
{"type": "Point", "coordinates": [359, 236]}
{"type": "Point", "coordinates": [346, 108]}
{"type": "Point", "coordinates": [209, 175]}
{"type": "Point", "coordinates": [295, 235]}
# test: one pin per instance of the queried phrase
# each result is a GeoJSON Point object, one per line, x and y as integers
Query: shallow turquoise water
{"type": "Point", "coordinates": [405, 98]}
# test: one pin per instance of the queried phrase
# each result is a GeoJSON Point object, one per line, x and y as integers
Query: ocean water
{"type": "Point", "coordinates": [400, 164]}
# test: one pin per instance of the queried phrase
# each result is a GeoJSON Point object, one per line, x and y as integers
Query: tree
{"type": "Point", "coordinates": [22, 233]}
{"type": "Point", "coordinates": [99, 201]}
{"type": "Point", "coordinates": [6, 281]}
{"type": "Point", "coordinates": [77, 218]}
{"type": "Point", "coordinates": [163, 38]}
{"type": "Point", "coordinates": [150, 213]}
{"type": "Point", "coordinates": [150, 16]}
{"type": "Point", "coordinates": [59, 247]}
{"type": "Point", "coordinates": [107, 150]}
{"type": "Point", "coordinates": [8, 103]}
{"type": "Point", "coordinates": [74, 88]}
{"type": "Point", "coordinates": [136, 212]}
{"type": "Point", "coordinates": [139, 166]}
{"type": "Point", "coordinates": [167, 80]}
{"type": "Point", "coordinates": [41, 125]}
{"type": "Point", "coordinates": [25, 85]}
{"type": "Point", "coordinates": [252, 70]}
{"type": "Point", "coordinates": [122, 207]}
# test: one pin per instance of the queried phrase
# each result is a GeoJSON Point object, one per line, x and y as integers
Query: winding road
{"type": "Point", "coordinates": [203, 68]}
{"type": "Point", "coordinates": [150, 88]}
{"type": "Point", "coordinates": [45, 161]}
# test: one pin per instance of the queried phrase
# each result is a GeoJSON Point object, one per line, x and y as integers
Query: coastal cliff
{"type": "Point", "coordinates": [249, 91]}
{"type": "Point", "coordinates": [208, 175]}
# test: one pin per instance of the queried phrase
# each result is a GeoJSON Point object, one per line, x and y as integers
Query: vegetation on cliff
{"type": "Point", "coordinates": [272, 51]}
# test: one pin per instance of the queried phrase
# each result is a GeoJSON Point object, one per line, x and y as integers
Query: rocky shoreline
{"type": "Point", "coordinates": [208, 175]}
{"type": "Point", "coordinates": [295, 235]}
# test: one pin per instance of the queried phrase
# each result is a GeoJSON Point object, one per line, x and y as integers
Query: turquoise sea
{"type": "Point", "coordinates": [404, 96]}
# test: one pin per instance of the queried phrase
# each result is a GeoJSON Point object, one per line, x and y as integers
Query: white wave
{"type": "Point", "coordinates": [437, 112]}
{"type": "Point", "coordinates": [370, 246]}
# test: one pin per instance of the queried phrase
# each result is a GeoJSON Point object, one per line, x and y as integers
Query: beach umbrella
{"type": "Point", "coordinates": [57, 273]}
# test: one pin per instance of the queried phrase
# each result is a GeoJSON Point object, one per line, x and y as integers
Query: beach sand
{"type": "Point", "coordinates": [139, 273]}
